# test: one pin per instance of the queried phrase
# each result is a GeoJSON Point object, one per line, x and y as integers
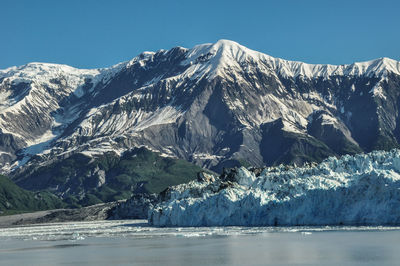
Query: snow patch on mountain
{"type": "Point", "coordinates": [164, 115]}
{"type": "Point", "coordinates": [351, 190]}
{"type": "Point", "coordinates": [42, 73]}
{"type": "Point", "coordinates": [377, 90]}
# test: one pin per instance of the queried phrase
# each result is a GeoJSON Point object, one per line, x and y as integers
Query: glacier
{"type": "Point", "coordinates": [363, 189]}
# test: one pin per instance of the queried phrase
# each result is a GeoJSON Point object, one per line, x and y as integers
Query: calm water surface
{"type": "Point", "coordinates": [134, 243]}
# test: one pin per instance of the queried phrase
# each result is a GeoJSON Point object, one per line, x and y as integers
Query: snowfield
{"type": "Point", "coordinates": [352, 190]}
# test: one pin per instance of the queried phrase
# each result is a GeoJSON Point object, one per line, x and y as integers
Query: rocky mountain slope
{"type": "Point", "coordinates": [351, 190]}
{"type": "Point", "coordinates": [216, 105]}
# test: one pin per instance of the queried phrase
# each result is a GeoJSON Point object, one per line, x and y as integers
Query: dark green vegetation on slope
{"type": "Point", "coordinates": [14, 199]}
{"type": "Point", "coordinates": [81, 180]}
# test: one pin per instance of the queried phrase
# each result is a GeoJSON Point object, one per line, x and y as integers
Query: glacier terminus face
{"type": "Point", "coordinates": [351, 190]}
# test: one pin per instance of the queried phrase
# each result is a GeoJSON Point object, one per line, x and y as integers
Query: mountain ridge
{"type": "Point", "coordinates": [224, 45]}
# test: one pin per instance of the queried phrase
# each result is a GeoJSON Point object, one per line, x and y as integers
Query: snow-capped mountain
{"type": "Point", "coordinates": [217, 105]}
{"type": "Point", "coordinates": [351, 190]}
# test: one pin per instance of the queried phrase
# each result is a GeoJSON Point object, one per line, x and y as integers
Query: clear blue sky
{"type": "Point", "coordinates": [96, 33]}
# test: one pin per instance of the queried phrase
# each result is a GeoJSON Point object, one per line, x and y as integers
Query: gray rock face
{"type": "Point", "coordinates": [217, 105]}
{"type": "Point", "coordinates": [137, 207]}
{"type": "Point", "coordinates": [205, 177]}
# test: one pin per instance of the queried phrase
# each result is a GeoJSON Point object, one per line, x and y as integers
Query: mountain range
{"type": "Point", "coordinates": [214, 105]}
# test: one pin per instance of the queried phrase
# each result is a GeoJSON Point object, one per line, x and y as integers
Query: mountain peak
{"type": "Point", "coordinates": [235, 51]}
{"type": "Point", "coordinates": [229, 54]}
{"type": "Point", "coordinates": [213, 58]}
{"type": "Point", "coordinates": [227, 44]}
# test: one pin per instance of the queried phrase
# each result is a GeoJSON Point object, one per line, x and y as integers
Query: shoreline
{"type": "Point", "coordinates": [91, 213]}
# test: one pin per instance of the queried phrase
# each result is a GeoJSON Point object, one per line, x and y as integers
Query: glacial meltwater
{"type": "Point", "coordinates": [133, 242]}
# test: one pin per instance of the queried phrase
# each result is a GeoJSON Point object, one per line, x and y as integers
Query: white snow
{"type": "Point", "coordinates": [164, 115]}
{"type": "Point", "coordinates": [205, 156]}
{"type": "Point", "coordinates": [328, 120]}
{"type": "Point", "coordinates": [42, 73]}
{"type": "Point", "coordinates": [352, 190]}
{"type": "Point", "coordinates": [377, 91]}
{"type": "Point", "coordinates": [124, 122]}
{"type": "Point", "coordinates": [226, 54]}
{"type": "Point", "coordinates": [46, 85]}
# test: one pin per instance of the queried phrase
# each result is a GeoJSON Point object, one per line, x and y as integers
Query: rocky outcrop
{"type": "Point", "coordinates": [137, 207]}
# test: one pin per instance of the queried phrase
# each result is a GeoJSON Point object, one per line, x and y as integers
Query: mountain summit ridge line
{"type": "Point", "coordinates": [391, 64]}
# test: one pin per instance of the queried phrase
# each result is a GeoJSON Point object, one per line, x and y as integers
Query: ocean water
{"type": "Point", "coordinates": [134, 243]}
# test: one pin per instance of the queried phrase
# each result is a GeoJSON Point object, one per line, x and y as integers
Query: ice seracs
{"type": "Point", "coordinates": [351, 190]}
